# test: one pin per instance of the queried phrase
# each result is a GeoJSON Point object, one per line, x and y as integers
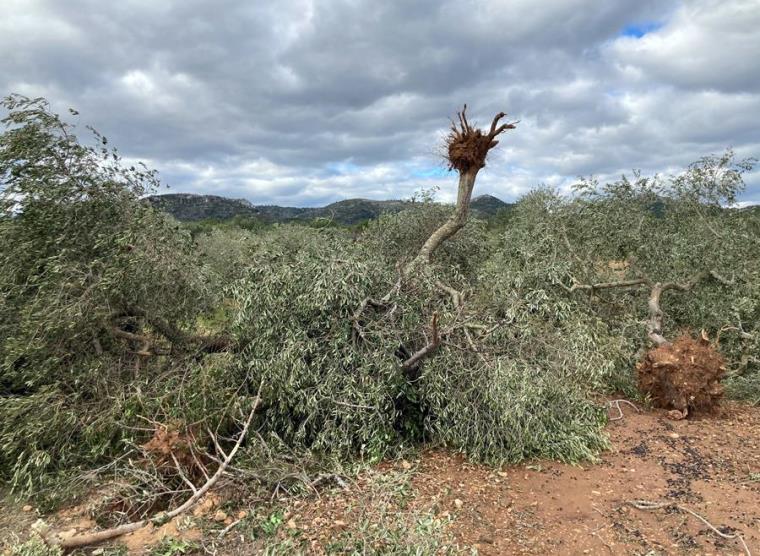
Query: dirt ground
{"type": "Point", "coordinates": [440, 503]}
{"type": "Point", "coordinates": [709, 466]}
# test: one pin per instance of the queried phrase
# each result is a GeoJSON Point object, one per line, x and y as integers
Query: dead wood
{"type": "Point", "coordinates": [198, 492]}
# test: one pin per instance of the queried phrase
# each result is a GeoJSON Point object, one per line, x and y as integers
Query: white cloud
{"type": "Point", "coordinates": [709, 44]}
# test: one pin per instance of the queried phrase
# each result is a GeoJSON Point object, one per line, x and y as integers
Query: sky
{"type": "Point", "coordinates": [305, 102]}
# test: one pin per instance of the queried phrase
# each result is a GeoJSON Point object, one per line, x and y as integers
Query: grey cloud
{"type": "Point", "coordinates": [305, 101]}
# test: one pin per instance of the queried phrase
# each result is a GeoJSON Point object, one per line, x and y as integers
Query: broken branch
{"type": "Point", "coordinates": [429, 348]}
{"type": "Point", "coordinates": [107, 534]}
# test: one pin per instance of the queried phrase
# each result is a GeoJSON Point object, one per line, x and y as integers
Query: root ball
{"type": "Point", "coordinates": [683, 376]}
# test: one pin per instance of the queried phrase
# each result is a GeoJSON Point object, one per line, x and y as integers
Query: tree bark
{"type": "Point", "coordinates": [455, 222]}
{"type": "Point", "coordinates": [654, 325]}
{"type": "Point", "coordinates": [608, 285]}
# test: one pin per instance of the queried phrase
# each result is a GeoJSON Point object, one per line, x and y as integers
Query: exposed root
{"type": "Point", "coordinates": [683, 376]}
{"type": "Point", "coordinates": [468, 146]}
{"type": "Point", "coordinates": [114, 532]}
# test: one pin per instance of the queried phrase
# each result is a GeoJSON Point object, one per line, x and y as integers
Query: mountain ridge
{"type": "Point", "coordinates": [192, 207]}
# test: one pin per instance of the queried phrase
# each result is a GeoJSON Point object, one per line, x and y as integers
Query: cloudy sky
{"type": "Point", "coordinates": [303, 102]}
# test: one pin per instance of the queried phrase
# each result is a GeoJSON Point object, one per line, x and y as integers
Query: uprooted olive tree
{"type": "Point", "coordinates": [392, 339]}
{"type": "Point", "coordinates": [657, 259]}
{"type": "Point", "coordinates": [130, 350]}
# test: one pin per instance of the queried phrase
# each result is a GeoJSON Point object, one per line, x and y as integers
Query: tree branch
{"type": "Point", "coordinates": [108, 534]}
{"type": "Point", "coordinates": [608, 285]}
{"type": "Point", "coordinates": [206, 344]}
{"type": "Point", "coordinates": [429, 348]}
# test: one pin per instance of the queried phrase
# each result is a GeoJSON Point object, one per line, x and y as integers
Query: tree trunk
{"type": "Point", "coordinates": [455, 222]}
{"type": "Point", "coordinates": [654, 326]}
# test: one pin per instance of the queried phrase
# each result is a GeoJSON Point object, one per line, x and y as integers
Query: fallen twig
{"type": "Point", "coordinates": [113, 532]}
{"type": "Point", "coordinates": [616, 404]}
{"type": "Point", "coordinates": [646, 505]}
{"type": "Point", "coordinates": [228, 528]}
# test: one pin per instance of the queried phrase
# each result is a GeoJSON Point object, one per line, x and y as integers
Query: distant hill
{"type": "Point", "coordinates": [487, 205]}
{"type": "Point", "coordinates": [189, 207]}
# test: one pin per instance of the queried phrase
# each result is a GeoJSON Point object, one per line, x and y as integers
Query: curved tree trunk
{"type": "Point", "coordinates": [455, 222]}
{"type": "Point", "coordinates": [467, 151]}
{"type": "Point", "coordinates": [654, 325]}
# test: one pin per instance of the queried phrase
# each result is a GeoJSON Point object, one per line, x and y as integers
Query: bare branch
{"type": "Point", "coordinates": [608, 285]}
{"type": "Point", "coordinates": [107, 534]}
{"type": "Point", "coordinates": [116, 331]}
{"type": "Point", "coordinates": [206, 344]}
{"type": "Point", "coordinates": [456, 295]}
{"type": "Point", "coordinates": [429, 348]}
{"type": "Point", "coordinates": [182, 475]}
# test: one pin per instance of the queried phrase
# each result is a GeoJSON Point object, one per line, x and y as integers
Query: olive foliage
{"type": "Point", "coordinates": [82, 258]}
{"type": "Point", "coordinates": [603, 249]}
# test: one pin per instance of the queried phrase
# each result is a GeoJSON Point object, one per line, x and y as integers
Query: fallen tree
{"type": "Point", "coordinates": [672, 238]}
{"type": "Point", "coordinates": [225, 459]}
{"type": "Point", "coordinates": [100, 292]}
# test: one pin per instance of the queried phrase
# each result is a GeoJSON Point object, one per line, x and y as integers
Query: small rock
{"type": "Point", "coordinates": [27, 508]}
{"type": "Point", "coordinates": [97, 552]}
{"type": "Point", "coordinates": [405, 464]}
{"type": "Point", "coordinates": [458, 503]}
{"type": "Point", "coordinates": [677, 415]}
{"type": "Point", "coordinates": [339, 523]}
{"type": "Point", "coordinates": [502, 473]}
{"type": "Point", "coordinates": [220, 516]}
{"type": "Point", "coordinates": [674, 435]}
{"type": "Point", "coordinates": [67, 534]}
{"type": "Point", "coordinates": [242, 514]}
{"type": "Point", "coordinates": [291, 524]}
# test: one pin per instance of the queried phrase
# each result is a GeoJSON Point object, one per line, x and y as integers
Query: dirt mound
{"type": "Point", "coordinates": [173, 445]}
{"type": "Point", "coordinates": [683, 376]}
